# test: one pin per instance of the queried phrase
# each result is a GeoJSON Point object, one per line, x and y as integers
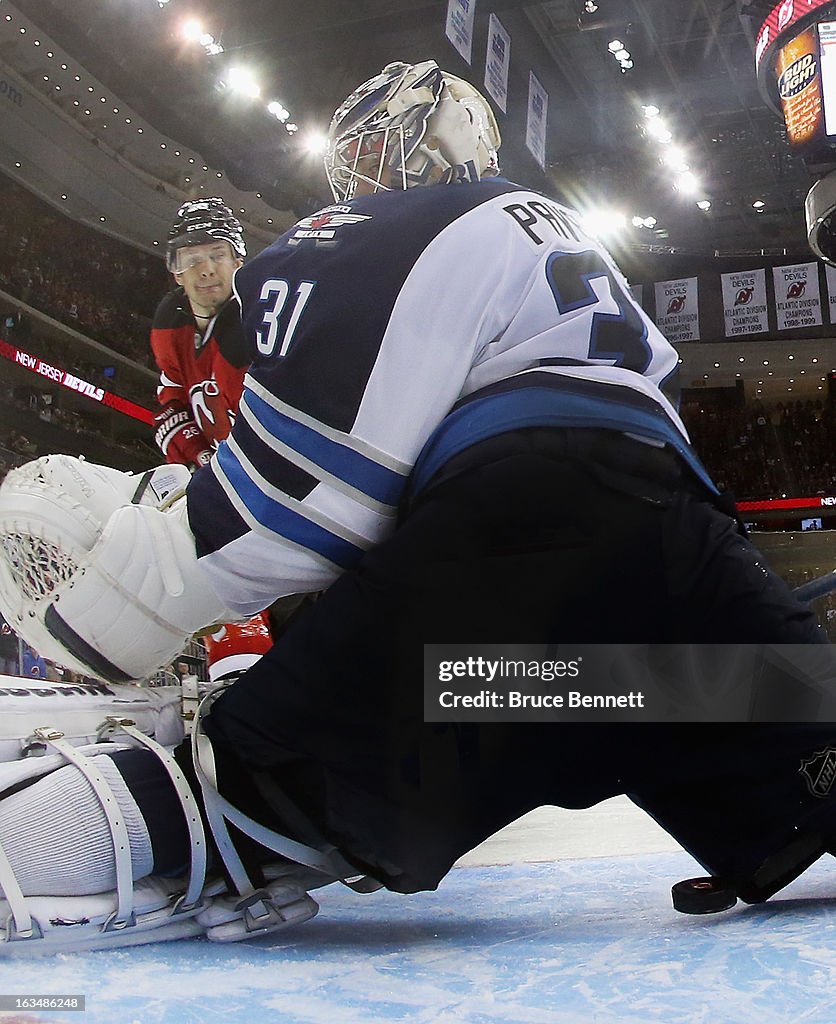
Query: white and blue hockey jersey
{"type": "Point", "coordinates": [402, 323]}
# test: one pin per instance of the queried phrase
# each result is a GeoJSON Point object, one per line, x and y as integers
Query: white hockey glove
{"type": "Point", "coordinates": [98, 569]}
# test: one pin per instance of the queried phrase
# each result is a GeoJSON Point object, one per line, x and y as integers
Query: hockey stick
{"type": "Point", "coordinates": [816, 588]}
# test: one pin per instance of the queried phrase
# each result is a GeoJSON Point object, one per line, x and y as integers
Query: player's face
{"type": "Point", "coordinates": [206, 275]}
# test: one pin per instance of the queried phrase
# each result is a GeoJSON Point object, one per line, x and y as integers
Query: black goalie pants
{"type": "Point", "coordinates": [538, 536]}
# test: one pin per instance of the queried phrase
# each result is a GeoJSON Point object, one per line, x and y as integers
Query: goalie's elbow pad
{"type": "Point", "coordinates": [179, 438]}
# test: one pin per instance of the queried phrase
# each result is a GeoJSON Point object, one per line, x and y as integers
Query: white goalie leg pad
{"type": "Point", "coordinates": [83, 711]}
{"type": "Point", "coordinates": [150, 910]}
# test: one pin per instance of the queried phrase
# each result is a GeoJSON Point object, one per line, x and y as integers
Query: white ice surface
{"type": "Point", "coordinates": [564, 918]}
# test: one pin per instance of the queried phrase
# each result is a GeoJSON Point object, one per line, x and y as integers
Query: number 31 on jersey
{"type": "Point", "coordinates": [280, 316]}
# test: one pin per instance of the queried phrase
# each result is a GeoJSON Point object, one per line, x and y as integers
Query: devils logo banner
{"type": "Point", "coordinates": [830, 277]}
{"type": "Point", "coordinates": [744, 303]}
{"type": "Point", "coordinates": [677, 309]}
{"type": "Point", "coordinates": [459, 27]}
{"type": "Point", "coordinates": [797, 296]}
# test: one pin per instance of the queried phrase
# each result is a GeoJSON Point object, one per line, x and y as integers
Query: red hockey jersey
{"type": "Point", "coordinates": [201, 377]}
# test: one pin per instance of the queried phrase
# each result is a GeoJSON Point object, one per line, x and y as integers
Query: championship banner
{"type": "Point", "coordinates": [744, 303]}
{"type": "Point", "coordinates": [535, 125]}
{"type": "Point", "coordinates": [830, 275]}
{"type": "Point", "coordinates": [677, 309]}
{"type": "Point", "coordinates": [459, 28]}
{"type": "Point", "coordinates": [497, 63]}
{"type": "Point", "coordinates": [797, 297]}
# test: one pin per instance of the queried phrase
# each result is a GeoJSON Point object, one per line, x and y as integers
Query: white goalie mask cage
{"type": "Point", "coordinates": [94, 574]}
{"type": "Point", "coordinates": [413, 124]}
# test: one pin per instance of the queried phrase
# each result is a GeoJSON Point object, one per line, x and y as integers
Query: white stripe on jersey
{"type": "Point", "coordinates": [280, 497]}
{"type": "Point", "coordinates": [352, 441]}
{"type": "Point", "coordinates": [307, 465]}
{"type": "Point", "coordinates": [255, 570]}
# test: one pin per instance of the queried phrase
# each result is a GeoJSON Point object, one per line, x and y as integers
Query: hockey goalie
{"type": "Point", "coordinates": [460, 427]}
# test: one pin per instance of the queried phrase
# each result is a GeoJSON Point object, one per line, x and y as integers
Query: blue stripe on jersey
{"type": "Point", "coordinates": [356, 470]}
{"type": "Point", "coordinates": [565, 402]}
{"type": "Point", "coordinates": [282, 520]}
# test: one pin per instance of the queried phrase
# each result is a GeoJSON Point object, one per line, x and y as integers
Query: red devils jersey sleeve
{"type": "Point", "coordinates": [201, 378]}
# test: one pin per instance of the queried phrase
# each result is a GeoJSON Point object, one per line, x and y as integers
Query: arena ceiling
{"type": "Point", "coordinates": [693, 59]}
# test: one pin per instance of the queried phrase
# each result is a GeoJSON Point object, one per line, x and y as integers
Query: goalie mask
{"type": "Point", "coordinates": [413, 124]}
{"type": "Point", "coordinates": [98, 570]}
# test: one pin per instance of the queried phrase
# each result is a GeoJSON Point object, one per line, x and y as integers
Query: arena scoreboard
{"type": "Point", "coordinates": [795, 57]}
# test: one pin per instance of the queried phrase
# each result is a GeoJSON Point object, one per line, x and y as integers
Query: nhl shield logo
{"type": "Point", "coordinates": [820, 771]}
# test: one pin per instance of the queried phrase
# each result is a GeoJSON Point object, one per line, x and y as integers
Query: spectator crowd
{"type": "Point", "coordinates": [758, 451]}
{"type": "Point", "coordinates": [81, 277]}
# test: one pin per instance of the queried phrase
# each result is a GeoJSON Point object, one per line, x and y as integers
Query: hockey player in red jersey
{"type": "Point", "coordinates": [199, 346]}
{"type": "Point", "coordinates": [196, 337]}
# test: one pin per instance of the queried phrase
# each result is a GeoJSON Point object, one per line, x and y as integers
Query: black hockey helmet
{"type": "Point", "coordinates": [202, 221]}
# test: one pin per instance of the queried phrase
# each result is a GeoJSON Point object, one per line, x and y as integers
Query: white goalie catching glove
{"type": "Point", "coordinates": [98, 570]}
{"type": "Point", "coordinates": [151, 908]}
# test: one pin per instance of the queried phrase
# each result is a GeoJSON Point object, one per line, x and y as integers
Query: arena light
{"type": "Point", "coordinates": [658, 130]}
{"type": "Point", "coordinates": [687, 183]}
{"type": "Point", "coordinates": [603, 223]}
{"type": "Point", "coordinates": [675, 158]}
{"type": "Point", "coordinates": [615, 46]}
{"type": "Point", "coordinates": [192, 30]}
{"type": "Point", "coordinates": [704, 205]}
{"type": "Point", "coordinates": [278, 111]}
{"type": "Point", "coordinates": [316, 143]}
{"type": "Point", "coordinates": [242, 80]}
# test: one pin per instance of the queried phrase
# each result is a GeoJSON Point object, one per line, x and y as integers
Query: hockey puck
{"type": "Point", "coordinates": [702, 896]}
